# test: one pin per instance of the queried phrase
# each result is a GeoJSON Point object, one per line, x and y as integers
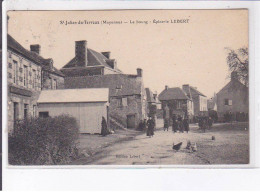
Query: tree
{"type": "Point", "coordinates": [237, 61]}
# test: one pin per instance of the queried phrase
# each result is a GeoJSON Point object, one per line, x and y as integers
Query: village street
{"type": "Point", "coordinates": [230, 147]}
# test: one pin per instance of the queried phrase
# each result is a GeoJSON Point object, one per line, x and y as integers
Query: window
{"type": "Point", "coordinates": [124, 101]}
{"type": "Point", "coordinates": [25, 76]}
{"type": "Point", "coordinates": [119, 102]}
{"type": "Point", "coordinates": [10, 65]}
{"type": "Point", "coordinates": [34, 110]}
{"type": "Point", "coordinates": [43, 114]}
{"type": "Point", "coordinates": [15, 74]}
{"type": "Point", "coordinates": [33, 78]}
{"type": "Point", "coordinates": [54, 84]}
{"type": "Point", "coordinates": [25, 111]}
{"type": "Point", "coordinates": [228, 102]}
{"type": "Point", "coordinates": [10, 75]}
{"type": "Point", "coordinates": [178, 105]}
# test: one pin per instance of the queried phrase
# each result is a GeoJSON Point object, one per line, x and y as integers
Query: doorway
{"type": "Point", "coordinates": [131, 121]}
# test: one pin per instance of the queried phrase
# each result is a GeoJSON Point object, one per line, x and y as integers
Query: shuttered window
{"type": "Point", "coordinates": [124, 101]}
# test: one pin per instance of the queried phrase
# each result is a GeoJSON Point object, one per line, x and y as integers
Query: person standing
{"type": "Point", "coordinates": [166, 124]}
{"type": "Point", "coordinates": [150, 130]}
{"type": "Point", "coordinates": [186, 124]}
{"type": "Point", "coordinates": [174, 123]}
{"type": "Point", "coordinates": [180, 124]}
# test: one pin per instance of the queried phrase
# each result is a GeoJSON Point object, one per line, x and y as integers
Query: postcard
{"type": "Point", "coordinates": [128, 87]}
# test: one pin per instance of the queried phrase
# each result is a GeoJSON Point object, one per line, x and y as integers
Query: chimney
{"type": "Point", "coordinates": [111, 63]}
{"type": "Point", "coordinates": [106, 54]}
{"type": "Point", "coordinates": [35, 48]}
{"type": "Point", "coordinates": [186, 89]}
{"type": "Point", "coordinates": [139, 72]}
{"type": "Point", "coordinates": [81, 53]}
{"type": "Point", "coordinates": [234, 76]}
{"type": "Point", "coordinates": [166, 87]}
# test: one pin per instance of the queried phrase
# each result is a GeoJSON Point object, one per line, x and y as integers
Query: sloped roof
{"type": "Point", "coordinates": [19, 49]}
{"type": "Point", "coordinates": [74, 95]}
{"type": "Point", "coordinates": [94, 59]}
{"type": "Point", "coordinates": [118, 84]}
{"type": "Point", "coordinates": [234, 85]}
{"type": "Point", "coordinates": [173, 94]}
{"type": "Point", "coordinates": [149, 95]}
{"type": "Point", "coordinates": [194, 91]}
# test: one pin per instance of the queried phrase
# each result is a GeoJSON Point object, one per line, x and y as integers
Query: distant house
{"type": "Point", "coordinates": [88, 106]}
{"type": "Point", "coordinates": [212, 103]}
{"type": "Point", "coordinates": [233, 98]}
{"type": "Point", "coordinates": [127, 95]}
{"type": "Point", "coordinates": [176, 101]}
{"type": "Point", "coordinates": [153, 104]}
{"type": "Point", "coordinates": [199, 100]}
{"type": "Point", "coordinates": [28, 74]}
{"type": "Point", "coordinates": [88, 62]}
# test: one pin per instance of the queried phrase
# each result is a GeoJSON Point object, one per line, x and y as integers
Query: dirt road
{"type": "Point", "coordinates": [230, 147]}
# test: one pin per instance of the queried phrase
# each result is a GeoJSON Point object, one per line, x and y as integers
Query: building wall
{"type": "Point", "coordinates": [239, 97]}
{"type": "Point", "coordinates": [52, 81]}
{"type": "Point", "coordinates": [131, 105]}
{"type": "Point", "coordinates": [184, 107]}
{"type": "Point", "coordinates": [25, 77]}
{"type": "Point", "coordinates": [200, 104]}
{"type": "Point", "coordinates": [88, 115]}
{"type": "Point", "coordinates": [20, 68]}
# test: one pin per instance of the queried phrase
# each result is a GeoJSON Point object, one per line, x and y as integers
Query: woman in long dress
{"type": "Point", "coordinates": [174, 124]}
{"type": "Point", "coordinates": [150, 124]}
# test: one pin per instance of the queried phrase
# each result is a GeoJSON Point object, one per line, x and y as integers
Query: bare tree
{"type": "Point", "coordinates": [237, 61]}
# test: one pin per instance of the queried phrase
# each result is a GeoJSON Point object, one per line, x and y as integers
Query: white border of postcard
{"type": "Point", "coordinates": [42, 177]}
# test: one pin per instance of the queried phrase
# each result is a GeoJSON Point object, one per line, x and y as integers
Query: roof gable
{"type": "Point", "coordinates": [94, 59]}
{"type": "Point", "coordinates": [19, 49]}
{"type": "Point", "coordinates": [194, 91]}
{"type": "Point", "coordinates": [173, 94]}
{"type": "Point", "coordinates": [233, 85]}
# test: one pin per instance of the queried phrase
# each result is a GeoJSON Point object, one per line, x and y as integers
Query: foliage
{"type": "Point", "coordinates": [214, 115]}
{"type": "Point", "coordinates": [44, 141]}
{"type": "Point", "coordinates": [237, 61]}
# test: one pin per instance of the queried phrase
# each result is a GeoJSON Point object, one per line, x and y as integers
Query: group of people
{"type": "Point", "coordinates": [205, 122]}
{"type": "Point", "coordinates": [148, 126]}
{"type": "Point", "coordinates": [178, 124]}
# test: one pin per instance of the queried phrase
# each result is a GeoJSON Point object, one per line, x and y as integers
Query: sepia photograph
{"type": "Point", "coordinates": [128, 87]}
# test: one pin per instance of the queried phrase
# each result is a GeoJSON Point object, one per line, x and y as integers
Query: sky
{"type": "Point", "coordinates": [192, 52]}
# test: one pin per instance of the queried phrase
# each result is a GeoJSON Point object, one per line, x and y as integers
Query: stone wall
{"type": "Point", "coordinates": [132, 107]}
{"type": "Point", "coordinates": [21, 100]}
{"type": "Point", "coordinates": [49, 78]}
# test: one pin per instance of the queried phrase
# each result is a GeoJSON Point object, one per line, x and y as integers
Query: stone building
{"type": "Point", "coordinates": [233, 98]}
{"type": "Point", "coordinates": [199, 100]}
{"type": "Point", "coordinates": [26, 71]}
{"type": "Point", "coordinates": [153, 103]}
{"type": "Point", "coordinates": [127, 97]}
{"type": "Point", "coordinates": [88, 62]}
{"type": "Point", "coordinates": [176, 101]}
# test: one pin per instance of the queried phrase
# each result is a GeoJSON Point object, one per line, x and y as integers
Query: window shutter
{"type": "Point", "coordinates": [124, 101]}
{"type": "Point", "coordinates": [230, 102]}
